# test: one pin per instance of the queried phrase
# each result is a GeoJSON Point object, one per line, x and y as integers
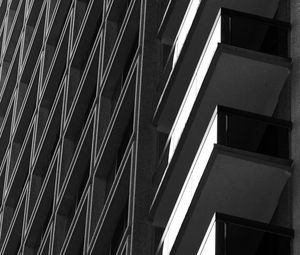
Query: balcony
{"type": "Point", "coordinates": [232, 235]}
{"type": "Point", "coordinates": [176, 12]}
{"type": "Point", "coordinates": [242, 54]}
{"type": "Point", "coordinates": [230, 168]}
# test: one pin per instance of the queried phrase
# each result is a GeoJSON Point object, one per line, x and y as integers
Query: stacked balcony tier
{"type": "Point", "coordinates": [241, 55]}
{"type": "Point", "coordinates": [245, 61]}
{"type": "Point", "coordinates": [233, 235]}
{"type": "Point", "coordinates": [240, 168]}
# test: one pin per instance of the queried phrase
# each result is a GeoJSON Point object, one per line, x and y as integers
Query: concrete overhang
{"type": "Point", "coordinates": [175, 11]}
{"type": "Point", "coordinates": [237, 78]}
{"type": "Point", "coordinates": [229, 234]}
{"type": "Point", "coordinates": [176, 82]}
{"type": "Point", "coordinates": [234, 182]}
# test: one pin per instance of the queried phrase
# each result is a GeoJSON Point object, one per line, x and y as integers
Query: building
{"type": "Point", "coordinates": [149, 127]}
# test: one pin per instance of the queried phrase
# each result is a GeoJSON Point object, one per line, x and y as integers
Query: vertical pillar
{"type": "Point", "coordinates": [283, 214]}
{"type": "Point", "coordinates": [145, 150]}
{"type": "Point", "coordinates": [295, 117]}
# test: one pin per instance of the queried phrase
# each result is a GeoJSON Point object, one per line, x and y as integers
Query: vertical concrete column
{"type": "Point", "coordinates": [60, 233]}
{"type": "Point", "coordinates": [36, 184]}
{"type": "Point", "coordinates": [145, 161]}
{"type": "Point", "coordinates": [28, 34]}
{"type": "Point", "coordinates": [16, 147]}
{"type": "Point", "coordinates": [52, 6]}
{"type": "Point", "coordinates": [79, 15]}
{"type": "Point", "coordinates": [295, 116]}
{"type": "Point", "coordinates": [42, 120]}
{"type": "Point", "coordinates": [75, 77]}
{"type": "Point", "coordinates": [98, 202]}
{"type": "Point", "coordinates": [111, 33]}
{"type": "Point", "coordinates": [49, 53]}
{"type": "Point", "coordinates": [10, 18]}
{"type": "Point", "coordinates": [103, 119]}
{"type": "Point", "coordinates": [68, 152]}
{"type": "Point", "coordinates": [283, 214]}
{"type": "Point", "coordinates": [8, 215]}
{"type": "Point", "coordinates": [29, 250]}
{"type": "Point", "coordinates": [21, 94]}
{"type": "Point", "coordinates": [4, 71]}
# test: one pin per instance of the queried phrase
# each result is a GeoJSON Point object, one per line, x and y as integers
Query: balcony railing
{"type": "Point", "coordinates": [254, 32]}
{"type": "Point", "coordinates": [253, 132]}
{"type": "Point", "coordinates": [232, 128]}
{"type": "Point", "coordinates": [232, 235]}
{"type": "Point", "coordinates": [236, 29]}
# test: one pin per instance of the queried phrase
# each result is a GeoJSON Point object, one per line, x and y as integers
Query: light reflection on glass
{"type": "Point", "coordinates": [190, 185]}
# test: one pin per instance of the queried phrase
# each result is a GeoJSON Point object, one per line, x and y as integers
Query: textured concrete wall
{"type": "Point", "coordinates": [295, 116]}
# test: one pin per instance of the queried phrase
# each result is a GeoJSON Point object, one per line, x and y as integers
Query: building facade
{"type": "Point", "coordinates": [149, 127]}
